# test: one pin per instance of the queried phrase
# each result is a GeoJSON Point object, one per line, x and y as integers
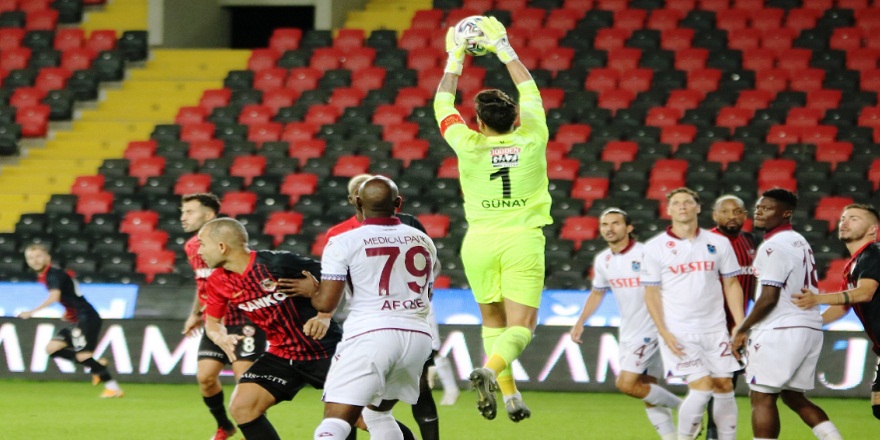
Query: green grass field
{"type": "Point", "coordinates": [72, 411]}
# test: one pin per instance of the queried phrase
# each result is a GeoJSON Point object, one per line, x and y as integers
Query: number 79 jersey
{"type": "Point", "coordinates": [503, 178]}
{"type": "Point", "coordinates": [390, 269]}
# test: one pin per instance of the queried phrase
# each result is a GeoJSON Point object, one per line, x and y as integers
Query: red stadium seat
{"type": "Point", "coordinates": [802, 18]}
{"type": "Point", "coordinates": [101, 40]}
{"type": "Point", "coordinates": [10, 38]}
{"type": "Point", "coordinates": [733, 117]}
{"type": "Point", "coordinates": [619, 152]}
{"type": "Point", "coordinates": [663, 19]}
{"type": "Point", "coordinates": [563, 19]}
{"type": "Point", "coordinates": [204, 150]}
{"type": "Point", "coordinates": [725, 152]}
{"type": "Point", "coordinates": [262, 59]}
{"type": "Point", "coordinates": [33, 5]}
{"type": "Point", "coordinates": [868, 19]}
{"type": "Point", "coordinates": [765, 19]}
{"type": "Point", "coordinates": [590, 188]}
{"type": "Point", "coordinates": [612, 5]}
{"type": "Point", "coordinates": [601, 79]}
{"type": "Point", "coordinates": [624, 59]}
{"type": "Point", "coordinates": [758, 59]}
{"type": "Point", "coordinates": [570, 134]}
{"type": "Point", "coordinates": [197, 132]}
{"type": "Point", "coordinates": [271, 78]}
{"type": "Point", "coordinates": [783, 135]}
{"type": "Point", "coordinates": [675, 135]}
{"type": "Point", "coordinates": [614, 100]}
{"type": "Point", "coordinates": [579, 229]}
{"type": "Point", "coordinates": [279, 98]}
{"type": "Point", "coordinates": [299, 131]}
{"type": "Point", "coordinates": [610, 38]}
{"type": "Point", "coordinates": [771, 80]}
{"type": "Point", "coordinates": [663, 117]}
{"type": "Point", "coordinates": [135, 222]}
{"type": "Point", "coordinates": [691, 59]}
{"type": "Point", "coordinates": [95, 203]}
{"type": "Point", "coordinates": [511, 5]}
{"type": "Point", "coordinates": [281, 223]}
{"type": "Point", "coordinates": [248, 167]}
{"type": "Point", "coordinates": [414, 38]}
{"type": "Point", "coordinates": [350, 166]}
{"type": "Point", "coordinates": [34, 120]}
{"type": "Point", "coordinates": [869, 117]}
{"type": "Point", "coordinates": [144, 168]}
{"type": "Point", "coordinates": [370, 78]}
{"type": "Point", "coordinates": [684, 100]}
{"type": "Point", "coordinates": [818, 134]}
{"type": "Point", "coordinates": [326, 58]}
{"type": "Point", "coordinates": [298, 184]}
{"type": "Point", "coordinates": [778, 39]}
{"type": "Point", "coordinates": [776, 168]}
{"type": "Point", "coordinates": [714, 5]}
{"type": "Point", "coordinates": [874, 173]}
{"type": "Point", "coordinates": [15, 58]}
{"type": "Point", "coordinates": [793, 59]}
{"type": "Point", "coordinates": [824, 99]}
{"type": "Point", "coordinates": [235, 203]}
{"type": "Point", "coordinates": [26, 97]}
{"type": "Point", "coordinates": [192, 183]}
{"type": "Point", "coordinates": [789, 183]}
{"type": "Point", "coordinates": [803, 117]}
{"type": "Point", "coordinates": [829, 209]}
{"type": "Point", "coordinates": [630, 19]}
{"type": "Point", "coordinates": [407, 151]}
{"type": "Point", "coordinates": [304, 150]}
{"type": "Point", "coordinates": [563, 169]}
{"type": "Point", "coordinates": [806, 80]}
{"type": "Point", "coordinates": [436, 225]}
{"type": "Point", "coordinates": [319, 244]}
{"type": "Point", "coordinates": [358, 58]}
{"type": "Point", "coordinates": [657, 190]}
{"type": "Point", "coordinates": [427, 19]}
{"type": "Point", "coordinates": [423, 58]}
{"type": "Point", "coordinates": [284, 39]}
{"type": "Point", "coordinates": [386, 114]}
{"type": "Point", "coordinates": [636, 80]}
{"type": "Point", "coordinates": [732, 20]}
{"type": "Point", "coordinates": [845, 38]}
{"type": "Point", "coordinates": [265, 132]}
{"type": "Point", "coordinates": [152, 263]}
{"type": "Point", "coordinates": [405, 131]}
{"type": "Point", "coordinates": [862, 59]}
{"type": "Point", "coordinates": [87, 184]}
{"type": "Point", "coordinates": [556, 59]}
{"type": "Point", "coordinates": [214, 98]}
{"type": "Point", "coordinates": [348, 39]}
{"type": "Point", "coordinates": [834, 153]}
{"type": "Point", "coordinates": [557, 150]}
{"type": "Point", "coordinates": [322, 114]}
{"type": "Point", "coordinates": [303, 78]}
{"type": "Point", "coordinates": [668, 168]}
{"type": "Point", "coordinates": [448, 168]}
{"type": "Point", "coordinates": [704, 81]}
{"type": "Point", "coordinates": [869, 80]}
{"type": "Point", "coordinates": [528, 18]}
{"type": "Point", "coordinates": [683, 6]}
{"type": "Point", "coordinates": [676, 39]}
{"type": "Point", "coordinates": [42, 20]}
{"type": "Point", "coordinates": [140, 149]}
{"type": "Point", "coordinates": [254, 114]}
{"type": "Point", "coordinates": [70, 38]}
{"type": "Point", "coordinates": [190, 115]}
{"type": "Point", "coordinates": [343, 98]}
{"type": "Point", "coordinates": [754, 99]}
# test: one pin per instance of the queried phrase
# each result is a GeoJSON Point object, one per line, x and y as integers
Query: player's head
{"type": "Point", "coordinates": [775, 208]}
{"type": "Point", "coordinates": [198, 209]}
{"type": "Point", "coordinates": [378, 197]}
{"type": "Point", "coordinates": [729, 214]}
{"type": "Point", "coordinates": [354, 184]}
{"type": "Point", "coordinates": [37, 256]}
{"type": "Point", "coordinates": [222, 239]}
{"type": "Point", "coordinates": [495, 110]}
{"type": "Point", "coordinates": [858, 222]}
{"type": "Point", "coordinates": [683, 205]}
{"type": "Point", "coordinates": [615, 226]}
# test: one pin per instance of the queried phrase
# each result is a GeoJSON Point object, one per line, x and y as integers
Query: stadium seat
{"type": "Point", "coordinates": [436, 225]}
{"type": "Point", "coordinates": [618, 152]}
{"type": "Point", "coordinates": [135, 222]}
{"type": "Point", "coordinates": [236, 203]}
{"type": "Point", "coordinates": [248, 167]}
{"type": "Point", "coordinates": [350, 166]}
{"type": "Point", "coordinates": [829, 209]}
{"type": "Point", "coordinates": [282, 223]}
{"type": "Point", "coordinates": [579, 229]}
{"type": "Point", "coordinates": [590, 188]}
{"type": "Point", "coordinates": [152, 263]}
{"type": "Point", "coordinates": [284, 39]}
{"type": "Point", "coordinates": [261, 59]}
{"type": "Point", "coordinates": [570, 134]}
{"type": "Point", "coordinates": [87, 184]}
{"type": "Point", "coordinates": [95, 203]}
{"type": "Point", "coordinates": [192, 183]}
{"type": "Point", "coordinates": [100, 40]}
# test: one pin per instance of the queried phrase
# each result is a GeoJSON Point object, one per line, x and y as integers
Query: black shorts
{"type": "Point", "coordinates": [876, 385]}
{"type": "Point", "coordinates": [283, 378]}
{"type": "Point", "coordinates": [82, 336]}
{"type": "Point", "coordinates": [248, 349]}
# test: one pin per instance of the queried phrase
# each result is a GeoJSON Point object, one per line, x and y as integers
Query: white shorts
{"type": "Point", "coordinates": [705, 354]}
{"type": "Point", "coordinates": [641, 357]}
{"type": "Point", "coordinates": [376, 366]}
{"type": "Point", "coordinates": [435, 329]}
{"type": "Point", "coordinates": [783, 359]}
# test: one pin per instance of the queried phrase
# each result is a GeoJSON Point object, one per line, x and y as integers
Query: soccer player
{"type": "Point", "coordinates": [685, 270]}
{"type": "Point", "coordinates": [390, 268]}
{"type": "Point", "coordinates": [425, 409]}
{"type": "Point", "coordinates": [195, 211]}
{"type": "Point", "coordinates": [783, 341]}
{"type": "Point", "coordinates": [302, 341]}
{"type": "Point", "coordinates": [617, 269]}
{"type": "Point", "coordinates": [77, 341]}
{"type": "Point", "coordinates": [503, 171]}
{"type": "Point", "coordinates": [730, 214]}
{"type": "Point", "coordinates": [861, 277]}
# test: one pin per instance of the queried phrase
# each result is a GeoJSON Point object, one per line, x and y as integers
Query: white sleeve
{"type": "Point", "coordinates": [728, 265]}
{"type": "Point", "coordinates": [334, 265]}
{"type": "Point", "coordinates": [651, 267]}
{"type": "Point", "coordinates": [600, 278]}
{"type": "Point", "coordinates": [772, 271]}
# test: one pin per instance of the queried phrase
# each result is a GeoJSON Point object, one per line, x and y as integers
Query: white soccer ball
{"type": "Point", "coordinates": [468, 33]}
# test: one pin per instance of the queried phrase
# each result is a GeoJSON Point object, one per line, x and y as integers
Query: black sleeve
{"type": "Point", "coordinates": [411, 220]}
{"type": "Point", "coordinates": [868, 264]}
{"type": "Point", "coordinates": [55, 279]}
{"type": "Point", "coordinates": [751, 239]}
{"type": "Point", "coordinates": [292, 265]}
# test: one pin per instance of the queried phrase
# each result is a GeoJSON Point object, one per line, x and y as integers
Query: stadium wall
{"type": "Point", "coordinates": [153, 351]}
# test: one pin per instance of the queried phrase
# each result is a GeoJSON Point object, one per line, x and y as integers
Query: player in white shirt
{"type": "Point", "coordinates": [617, 269]}
{"type": "Point", "coordinates": [687, 272]}
{"type": "Point", "coordinates": [782, 342]}
{"type": "Point", "coordinates": [386, 338]}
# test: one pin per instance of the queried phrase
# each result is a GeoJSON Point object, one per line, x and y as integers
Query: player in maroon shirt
{"type": "Point", "coordinates": [195, 211]}
{"type": "Point", "coordinates": [729, 214]}
{"type": "Point", "coordinates": [76, 342]}
{"type": "Point", "coordinates": [302, 341]}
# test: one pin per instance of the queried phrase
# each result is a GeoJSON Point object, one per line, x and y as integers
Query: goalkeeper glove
{"type": "Point", "coordinates": [455, 60]}
{"type": "Point", "coordinates": [496, 39]}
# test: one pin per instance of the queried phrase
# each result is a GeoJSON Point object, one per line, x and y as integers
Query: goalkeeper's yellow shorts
{"type": "Point", "coordinates": [505, 265]}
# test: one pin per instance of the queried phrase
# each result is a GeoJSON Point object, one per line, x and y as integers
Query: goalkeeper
{"type": "Point", "coordinates": [503, 174]}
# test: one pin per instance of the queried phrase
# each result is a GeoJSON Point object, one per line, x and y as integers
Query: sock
{"type": "Point", "coordinates": [659, 396]}
{"type": "Point", "coordinates": [111, 385]}
{"type": "Point", "coordinates": [508, 347]}
{"type": "Point", "coordinates": [505, 377]}
{"type": "Point", "coordinates": [425, 414]}
{"type": "Point", "coordinates": [506, 382]}
{"type": "Point", "coordinates": [516, 394]}
{"type": "Point", "coordinates": [876, 410]}
{"type": "Point", "coordinates": [445, 373]}
{"type": "Point", "coordinates": [259, 428]}
{"type": "Point", "coordinates": [407, 433]}
{"type": "Point", "coordinates": [690, 413]}
{"type": "Point", "coordinates": [65, 353]}
{"type": "Point", "coordinates": [724, 413]}
{"type": "Point", "coordinates": [661, 418]}
{"type": "Point", "coordinates": [97, 368]}
{"type": "Point", "coordinates": [710, 419]}
{"type": "Point", "coordinates": [332, 428]}
{"type": "Point", "coordinates": [381, 425]}
{"type": "Point", "coordinates": [218, 410]}
{"type": "Point", "coordinates": [827, 431]}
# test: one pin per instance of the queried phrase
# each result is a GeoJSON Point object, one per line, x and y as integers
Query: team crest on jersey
{"type": "Point", "coordinates": [636, 266]}
{"type": "Point", "coordinates": [711, 248]}
{"type": "Point", "coordinates": [268, 284]}
{"type": "Point", "coordinates": [248, 330]}
{"type": "Point", "coordinates": [670, 244]}
{"type": "Point", "coordinates": [647, 340]}
{"type": "Point", "coordinates": [505, 157]}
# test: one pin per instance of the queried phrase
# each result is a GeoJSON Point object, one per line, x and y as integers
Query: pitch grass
{"type": "Point", "coordinates": [72, 411]}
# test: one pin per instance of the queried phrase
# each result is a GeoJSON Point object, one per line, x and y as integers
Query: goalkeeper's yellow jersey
{"type": "Point", "coordinates": [503, 178]}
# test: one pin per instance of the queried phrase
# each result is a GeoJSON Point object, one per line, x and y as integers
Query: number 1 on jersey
{"type": "Point", "coordinates": [504, 174]}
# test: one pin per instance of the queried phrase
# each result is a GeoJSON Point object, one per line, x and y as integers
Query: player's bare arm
{"type": "Point", "coordinates": [654, 303]}
{"type": "Point", "coordinates": [216, 331]}
{"type": "Point", "coordinates": [194, 321]}
{"type": "Point", "coordinates": [54, 297]}
{"type": "Point", "coordinates": [863, 292]}
{"type": "Point", "coordinates": [734, 295]}
{"type": "Point", "coordinates": [304, 287]}
{"type": "Point", "coordinates": [317, 326]}
{"type": "Point", "coordinates": [833, 313]}
{"type": "Point", "coordinates": [765, 304]}
{"type": "Point", "coordinates": [590, 305]}
{"type": "Point", "coordinates": [328, 296]}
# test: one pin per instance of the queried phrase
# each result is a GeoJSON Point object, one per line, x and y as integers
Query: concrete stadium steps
{"type": "Point", "coordinates": [14, 205]}
{"type": "Point", "coordinates": [385, 14]}
{"type": "Point", "coordinates": [191, 65]}
{"type": "Point", "coordinates": [119, 15]}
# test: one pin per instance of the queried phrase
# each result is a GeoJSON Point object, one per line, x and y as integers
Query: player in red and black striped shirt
{"type": "Point", "coordinates": [195, 211]}
{"type": "Point", "coordinates": [729, 214]}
